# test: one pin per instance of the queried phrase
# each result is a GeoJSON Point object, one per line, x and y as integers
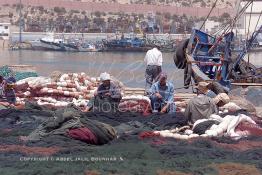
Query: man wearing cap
{"type": "Point", "coordinates": [7, 92]}
{"type": "Point", "coordinates": [203, 106]}
{"type": "Point", "coordinates": [221, 99]}
{"type": "Point", "coordinates": [2, 86]}
{"type": "Point", "coordinates": [153, 61]}
{"type": "Point", "coordinates": [162, 95]}
{"type": "Point", "coordinates": [202, 88]}
{"type": "Point", "coordinates": [107, 96]}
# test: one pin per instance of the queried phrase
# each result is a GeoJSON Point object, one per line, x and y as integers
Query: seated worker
{"type": "Point", "coordinates": [107, 97]}
{"type": "Point", "coordinates": [2, 86]}
{"type": "Point", "coordinates": [203, 88]}
{"type": "Point", "coordinates": [7, 92]}
{"type": "Point", "coordinates": [162, 95]}
{"type": "Point", "coordinates": [202, 106]}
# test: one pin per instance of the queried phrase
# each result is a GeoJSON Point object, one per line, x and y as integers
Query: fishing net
{"type": "Point", "coordinates": [6, 72]}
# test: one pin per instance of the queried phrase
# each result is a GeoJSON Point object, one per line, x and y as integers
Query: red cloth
{"type": "Point", "coordinates": [83, 134]}
{"type": "Point", "coordinates": [251, 128]}
{"type": "Point", "coordinates": [148, 134]}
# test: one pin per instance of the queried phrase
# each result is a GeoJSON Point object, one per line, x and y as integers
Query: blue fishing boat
{"type": "Point", "coordinates": [126, 44]}
{"type": "Point", "coordinates": [210, 58]}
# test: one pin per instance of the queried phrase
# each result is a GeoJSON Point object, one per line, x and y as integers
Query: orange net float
{"type": "Point", "coordinates": [71, 94]}
{"type": "Point", "coordinates": [50, 85]}
{"type": "Point", "coordinates": [68, 81]}
{"type": "Point", "coordinates": [21, 87]}
{"type": "Point", "coordinates": [88, 83]}
{"type": "Point", "coordinates": [87, 96]}
{"type": "Point", "coordinates": [86, 91]}
{"type": "Point", "coordinates": [83, 88]}
{"type": "Point", "coordinates": [49, 92]}
{"type": "Point", "coordinates": [42, 91]}
{"type": "Point", "coordinates": [93, 79]}
{"type": "Point", "coordinates": [20, 95]}
{"type": "Point", "coordinates": [36, 87]}
{"type": "Point", "coordinates": [54, 91]}
{"type": "Point", "coordinates": [62, 98]}
{"type": "Point", "coordinates": [64, 77]}
{"type": "Point", "coordinates": [92, 87]}
{"type": "Point", "coordinates": [66, 89]}
{"type": "Point", "coordinates": [79, 95]}
{"type": "Point", "coordinates": [65, 84]}
{"type": "Point", "coordinates": [70, 85]}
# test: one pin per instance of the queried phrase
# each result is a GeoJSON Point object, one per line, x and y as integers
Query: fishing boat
{"type": "Point", "coordinates": [210, 58]}
{"type": "Point", "coordinates": [50, 42]}
{"type": "Point", "coordinates": [126, 44]}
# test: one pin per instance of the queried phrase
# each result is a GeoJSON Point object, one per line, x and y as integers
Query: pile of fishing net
{"type": "Point", "coordinates": [7, 72]}
{"type": "Point", "coordinates": [135, 152]}
{"type": "Point", "coordinates": [135, 103]}
{"type": "Point", "coordinates": [60, 90]}
{"type": "Point", "coordinates": [77, 88]}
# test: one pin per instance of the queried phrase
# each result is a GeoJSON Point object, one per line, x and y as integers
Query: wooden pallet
{"type": "Point", "coordinates": [134, 91]}
{"type": "Point", "coordinates": [141, 91]}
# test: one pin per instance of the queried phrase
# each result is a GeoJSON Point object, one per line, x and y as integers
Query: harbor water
{"type": "Point", "coordinates": [127, 67]}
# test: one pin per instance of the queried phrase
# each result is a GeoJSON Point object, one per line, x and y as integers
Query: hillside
{"type": "Point", "coordinates": [82, 17]}
{"type": "Point", "coordinates": [181, 3]}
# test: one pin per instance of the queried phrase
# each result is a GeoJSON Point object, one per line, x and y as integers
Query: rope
{"type": "Point", "coordinates": [258, 19]}
{"type": "Point", "coordinates": [238, 16]}
{"type": "Point", "coordinates": [229, 27]}
{"type": "Point", "coordinates": [214, 5]}
{"type": "Point", "coordinates": [249, 29]}
{"type": "Point", "coordinates": [255, 27]}
{"type": "Point", "coordinates": [234, 20]}
{"type": "Point", "coordinates": [249, 21]}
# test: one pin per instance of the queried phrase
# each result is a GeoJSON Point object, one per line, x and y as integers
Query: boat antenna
{"type": "Point", "coordinates": [214, 5]}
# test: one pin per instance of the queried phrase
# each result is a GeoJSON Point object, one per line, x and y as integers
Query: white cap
{"type": "Point", "coordinates": [104, 76]}
{"type": "Point", "coordinates": [222, 97]}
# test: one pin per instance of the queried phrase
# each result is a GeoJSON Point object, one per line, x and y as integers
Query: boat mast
{"type": "Point", "coordinates": [20, 21]}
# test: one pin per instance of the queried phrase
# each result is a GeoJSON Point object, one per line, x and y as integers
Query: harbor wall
{"type": "Point", "coordinates": [4, 44]}
{"type": "Point", "coordinates": [29, 36]}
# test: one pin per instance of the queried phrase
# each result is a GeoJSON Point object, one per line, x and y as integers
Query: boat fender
{"type": "Point", "coordinates": [180, 55]}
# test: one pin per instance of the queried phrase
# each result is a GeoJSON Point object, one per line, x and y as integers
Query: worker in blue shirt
{"type": "Point", "coordinates": [162, 95]}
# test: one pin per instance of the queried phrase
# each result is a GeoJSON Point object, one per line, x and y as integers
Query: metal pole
{"type": "Point", "coordinates": [20, 21]}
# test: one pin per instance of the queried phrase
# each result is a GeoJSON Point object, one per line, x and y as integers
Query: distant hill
{"type": "Point", "coordinates": [194, 8]}
{"type": "Point", "coordinates": [182, 3]}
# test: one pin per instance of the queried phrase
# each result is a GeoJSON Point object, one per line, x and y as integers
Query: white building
{"type": "Point", "coordinates": [4, 31]}
{"type": "Point", "coordinates": [210, 26]}
{"type": "Point", "coordinates": [248, 21]}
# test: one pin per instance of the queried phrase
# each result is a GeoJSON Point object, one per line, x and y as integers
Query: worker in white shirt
{"type": "Point", "coordinates": [153, 60]}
